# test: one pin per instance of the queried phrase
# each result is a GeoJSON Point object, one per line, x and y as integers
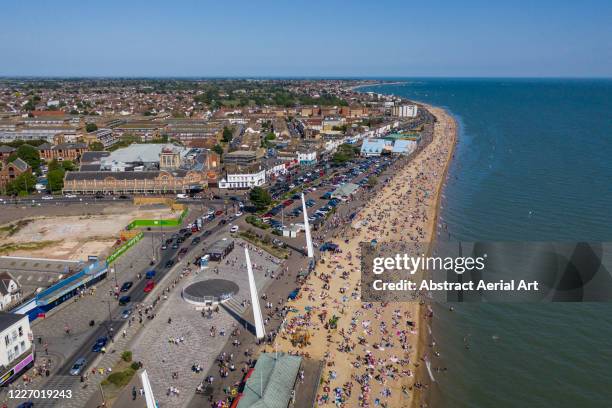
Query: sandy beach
{"type": "Point", "coordinates": [373, 355]}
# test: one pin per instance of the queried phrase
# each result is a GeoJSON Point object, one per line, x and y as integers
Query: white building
{"type": "Point", "coordinates": [15, 345]}
{"type": "Point", "coordinates": [405, 111]}
{"type": "Point", "coordinates": [307, 157]}
{"type": "Point", "coordinates": [106, 137]}
{"type": "Point", "coordinates": [243, 177]}
{"type": "Point", "coordinates": [274, 167]}
{"type": "Point", "coordinates": [9, 290]}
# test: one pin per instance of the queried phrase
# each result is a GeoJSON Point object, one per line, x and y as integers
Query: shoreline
{"type": "Point", "coordinates": [423, 396]}
{"type": "Point", "coordinates": [363, 339]}
{"type": "Point", "coordinates": [356, 87]}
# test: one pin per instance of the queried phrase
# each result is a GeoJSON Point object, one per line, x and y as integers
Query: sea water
{"type": "Point", "coordinates": [533, 163]}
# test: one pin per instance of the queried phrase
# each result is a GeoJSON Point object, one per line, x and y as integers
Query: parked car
{"type": "Point", "coordinates": [169, 263]}
{"type": "Point", "coordinates": [127, 312]}
{"type": "Point", "coordinates": [77, 367]}
{"type": "Point", "coordinates": [150, 274]}
{"type": "Point", "coordinates": [126, 286]}
{"type": "Point", "coordinates": [99, 344]}
{"type": "Point", "coordinates": [124, 300]}
{"type": "Point", "coordinates": [149, 286]}
{"type": "Point", "coordinates": [234, 229]}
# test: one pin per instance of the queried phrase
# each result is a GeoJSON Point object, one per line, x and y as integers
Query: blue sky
{"type": "Point", "coordinates": [306, 38]}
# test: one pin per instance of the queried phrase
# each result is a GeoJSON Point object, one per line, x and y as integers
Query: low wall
{"type": "Point", "coordinates": [172, 222]}
{"type": "Point", "coordinates": [123, 248]}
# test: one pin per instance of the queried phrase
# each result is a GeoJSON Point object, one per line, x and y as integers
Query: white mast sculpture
{"type": "Point", "coordinates": [260, 331]}
{"type": "Point", "coordinates": [307, 230]}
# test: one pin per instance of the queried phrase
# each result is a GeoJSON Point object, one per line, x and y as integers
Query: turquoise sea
{"type": "Point", "coordinates": [533, 163]}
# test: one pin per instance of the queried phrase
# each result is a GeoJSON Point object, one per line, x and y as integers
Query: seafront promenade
{"type": "Point", "coordinates": [373, 355]}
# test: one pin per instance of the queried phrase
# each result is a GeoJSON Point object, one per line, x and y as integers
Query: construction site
{"type": "Point", "coordinates": [93, 232]}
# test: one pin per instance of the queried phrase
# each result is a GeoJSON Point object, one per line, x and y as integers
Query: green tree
{"type": "Point", "coordinates": [29, 154]}
{"type": "Point", "coordinates": [91, 127]}
{"type": "Point", "coordinates": [218, 149]}
{"type": "Point", "coordinates": [56, 179]}
{"type": "Point", "coordinates": [69, 165]}
{"type": "Point", "coordinates": [23, 184]}
{"type": "Point", "coordinates": [228, 135]}
{"type": "Point", "coordinates": [96, 147]}
{"type": "Point", "coordinates": [372, 181]}
{"type": "Point", "coordinates": [54, 165]}
{"type": "Point", "coordinates": [260, 198]}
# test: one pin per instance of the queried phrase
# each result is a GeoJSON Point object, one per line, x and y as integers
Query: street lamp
{"type": "Point", "coordinates": [110, 320]}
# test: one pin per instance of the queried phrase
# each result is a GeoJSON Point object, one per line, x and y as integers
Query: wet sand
{"type": "Point", "coordinates": [373, 357]}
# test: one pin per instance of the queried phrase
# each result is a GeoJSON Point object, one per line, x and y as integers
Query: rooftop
{"type": "Point", "coordinates": [139, 152]}
{"type": "Point", "coordinates": [9, 319]}
{"type": "Point", "coordinates": [271, 383]}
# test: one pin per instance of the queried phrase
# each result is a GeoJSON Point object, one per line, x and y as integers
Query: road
{"type": "Point", "coordinates": [82, 199]}
{"type": "Point", "coordinates": [62, 380]}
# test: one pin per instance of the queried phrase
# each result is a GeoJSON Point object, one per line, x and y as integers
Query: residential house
{"type": "Point", "coordinates": [63, 151]}
{"type": "Point", "coordinates": [10, 171]}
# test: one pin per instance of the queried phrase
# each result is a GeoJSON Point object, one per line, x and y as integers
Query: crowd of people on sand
{"type": "Point", "coordinates": [377, 340]}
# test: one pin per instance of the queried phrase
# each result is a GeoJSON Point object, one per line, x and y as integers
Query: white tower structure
{"type": "Point", "coordinates": [260, 331]}
{"type": "Point", "coordinates": [148, 391]}
{"type": "Point", "coordinates": [307, 230]}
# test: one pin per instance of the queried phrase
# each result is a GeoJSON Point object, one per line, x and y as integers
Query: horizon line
{"type": "Point", "coordinates": [272, 77]}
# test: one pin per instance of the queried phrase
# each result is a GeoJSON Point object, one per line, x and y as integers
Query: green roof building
{"type": "Point", "coordinates": [272, 381]}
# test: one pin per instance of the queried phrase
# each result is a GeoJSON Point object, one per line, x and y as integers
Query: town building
{"type": "Point", "coordinates": [10, 171]}
{"type": "Point", "coordinates": [6, 152]}
{"type": "Point", "coordinates": [104, 136]}
{"type": "Point", "coordinates": [63, 151]}
{"type": "Point", "coordinates": [405, 111]}
{"type": "Point", "coordinates": [144, 130]}
{"type": "Point", "coordinates": [375, 147]}
{"type": "Point", "coordinates": [10, 291]}
{"type": "Point", "coordinates": [307, 157]}
{"type": "Point", "coordinates": [272, 381]}
{"type": "Point", "coordinates": [16, 350]}
{"type": "Point", "coordinates": [141, 156]}
{"type": "Point", "coordinates": [238, 177]}
{"type": "Point", "coordinates": [134, 182]}
{"type": "Point", "coordinates": [241, 157]}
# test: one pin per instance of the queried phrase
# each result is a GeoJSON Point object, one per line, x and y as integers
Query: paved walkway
{"type": "Point", "coordinates": [159, 347]}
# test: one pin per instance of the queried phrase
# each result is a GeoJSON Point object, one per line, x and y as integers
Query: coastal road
{"type": "Point", "coordinates": [62, 380]}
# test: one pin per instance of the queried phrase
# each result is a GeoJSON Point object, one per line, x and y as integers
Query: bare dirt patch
{"type": "Point", "coordinates": [73, 237]}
